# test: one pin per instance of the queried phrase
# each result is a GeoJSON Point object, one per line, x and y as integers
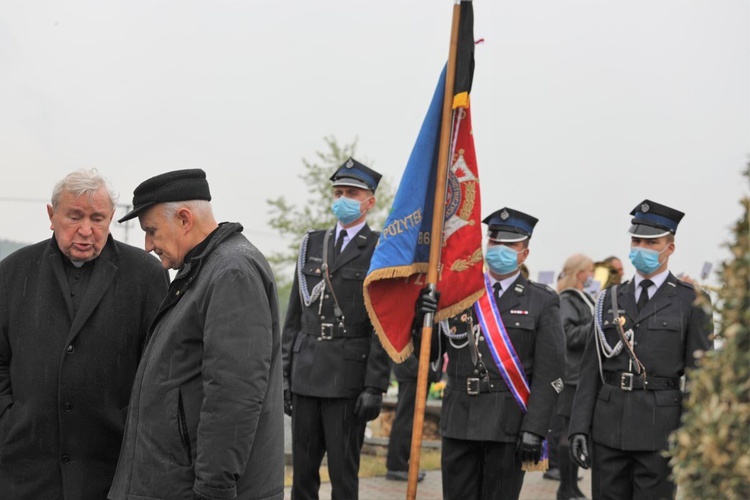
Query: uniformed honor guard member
{"type": "Point", "coordinates": [335, 369]}
{"type": "Point", "coordinates": [646, 333]}
{"type": "Point", "coordinates": [486, 435]}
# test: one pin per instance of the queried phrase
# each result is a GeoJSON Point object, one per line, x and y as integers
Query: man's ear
{"type": "Point", "coordinates": [671, 248]}
{"type": "Point", "coordinates": [50, 213]}
{"type": "Point", "coordinates": [185, 219]}
{"type": "Point", "coordinates": [371, 203]}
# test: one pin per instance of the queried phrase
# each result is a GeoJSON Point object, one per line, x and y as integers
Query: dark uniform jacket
{"type": "Point", "coordinates": [65, 377]}
{"type": "Point", "coordinates": [531, 315]}
{"type": "Point", "coordinates": [668, 331]}
{"type": "Point", "coordinates": [206, 411]}
{"type": "Point", "coordinates": [340, 367]}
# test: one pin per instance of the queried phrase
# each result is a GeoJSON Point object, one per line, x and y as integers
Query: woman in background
{"type": "Point", "coordinates": [576, 312]}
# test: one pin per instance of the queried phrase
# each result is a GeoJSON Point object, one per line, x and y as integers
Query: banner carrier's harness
{"type": "Point", "coordinates": [626, 338]}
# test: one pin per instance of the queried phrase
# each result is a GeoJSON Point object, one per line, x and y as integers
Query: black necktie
{"type": "Point", "coordinates": [498, 288]}
{"type": "Point", "coordinates": [339, 243]}
{"type": "Point", "coordinates": [644, 294]}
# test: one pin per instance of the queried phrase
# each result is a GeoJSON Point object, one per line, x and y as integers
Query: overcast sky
{"type": "Point", "coordinates": [581, 108]}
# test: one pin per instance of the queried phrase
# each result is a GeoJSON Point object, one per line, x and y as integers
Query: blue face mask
{"type": "Point", "coordinates": [501, 259]}
{"type": "Point", "coordinates": [644, 260]}
{"type": "Point", "coordinates": [346, 210]}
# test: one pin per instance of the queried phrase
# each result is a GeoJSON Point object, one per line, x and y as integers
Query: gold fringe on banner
{"type": "Point", "coordinates": [542, 466]}
{"type": "Point", "coordinates": [406, 272]}
{"type": "Point", "coordinates": [390, 273]}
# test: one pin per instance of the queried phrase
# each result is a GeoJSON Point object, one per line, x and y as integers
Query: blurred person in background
{"type": "Point", "coordinates": [576, 312]}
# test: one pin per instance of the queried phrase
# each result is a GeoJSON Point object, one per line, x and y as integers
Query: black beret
{"type": "Point", "coordinates": [179, 185]}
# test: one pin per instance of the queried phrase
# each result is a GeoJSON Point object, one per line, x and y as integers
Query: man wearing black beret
{"type": "Point", "coordinates": [205, 418]}
{"type": "Point", "coordinates": [645, 335]}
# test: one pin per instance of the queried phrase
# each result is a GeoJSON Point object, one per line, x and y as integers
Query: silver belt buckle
{"type": "Point", "coordinates": [626, 382]}
{"type": "Point", "coordinates": [326, 331]}
{"type": "Point", "coordinates": [472, 386]}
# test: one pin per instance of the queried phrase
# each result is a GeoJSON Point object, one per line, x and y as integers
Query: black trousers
{"type": "Point", "coordinates": [480, 470]}
{"type": "Point", "coordinates": [399, 444]}
{"type": "Point", "coordinates": [320, 426]}
{"type": "Point", "coordinates": [618, 474]}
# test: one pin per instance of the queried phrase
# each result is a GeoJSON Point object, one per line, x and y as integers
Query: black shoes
{"type": "Point", "coordinates": [403, 475]}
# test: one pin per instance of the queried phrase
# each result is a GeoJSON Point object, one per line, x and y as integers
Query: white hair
{"type": "Point", "coordinates": [82, 182]}
{"type": "Point", "coordinates": [200, 208]}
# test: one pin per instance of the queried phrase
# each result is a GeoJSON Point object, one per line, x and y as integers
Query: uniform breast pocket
{"type": "Point", "coordinates": [521, 332]}
{"type": "Point", "coordinates": [312, 271]}
{"type": "Point", "coordinates": [354, 273]}
{"type": "Point", "coordinates": [667, 323]}
{"type": "Point", "coordinates": [512, 321]}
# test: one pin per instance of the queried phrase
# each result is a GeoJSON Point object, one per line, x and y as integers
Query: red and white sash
{"type": "Point", "coordinates": [506, 360]}
{"type": "Point", "coordinates": [500, 346]}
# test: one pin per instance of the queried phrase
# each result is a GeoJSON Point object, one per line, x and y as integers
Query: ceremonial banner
{"type": "Point", "coordinates": [400, 262]}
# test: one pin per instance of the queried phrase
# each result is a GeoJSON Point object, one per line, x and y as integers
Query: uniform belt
{"type": "Point", "coordinates": [328, 331]}
{"type": "Point", "coordinates": [633, 382]}
{"type": "Point", "coordinates": [476, 385]}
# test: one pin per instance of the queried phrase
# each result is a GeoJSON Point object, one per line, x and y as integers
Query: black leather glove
{"type": "Point", "coordinates": [288, 402]}
{"type": "Point", "coordinates": [579, 450]}
{"type": "Point", "coordinates": [426, 303]}
{"type": "Point", "coordinates": [529, 447]}
{"type": "Point", "coordinates": [368, 404]}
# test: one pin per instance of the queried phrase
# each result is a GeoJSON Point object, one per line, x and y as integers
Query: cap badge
{"type": "Point", "coordinates": [349, 163]}
{"type": "Point", "coordinates": [504, 214]}
{"type": "Point", "coordinates": [645, 208]}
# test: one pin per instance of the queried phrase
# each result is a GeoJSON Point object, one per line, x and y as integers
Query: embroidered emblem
{"type": "Point", "coordinates": [504, 214]}
{"type": "Point", "coordinates": [460, 196]}
{"type": "Point", "coordinates": [349, 163]}
{"type": "Point", "coordinates": [645, 208]}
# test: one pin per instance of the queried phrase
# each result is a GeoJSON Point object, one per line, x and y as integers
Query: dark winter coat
{"type": "Point", "coordinates": [65, 379]}
{"type": "Point", "coordinates": [576, 315]}
{"type": "Point", "coordinates": [206, 411]}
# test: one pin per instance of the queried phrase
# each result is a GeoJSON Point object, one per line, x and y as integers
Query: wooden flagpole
{"type": "Point", "coordinates": [436, 243]}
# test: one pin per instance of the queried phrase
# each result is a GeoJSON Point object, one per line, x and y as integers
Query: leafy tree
{"type": "Point", "coordinates": [711, 451]}
{"type": "Point", "coordinates": [292, 221]}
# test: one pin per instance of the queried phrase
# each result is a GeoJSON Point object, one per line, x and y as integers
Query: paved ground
{"type": "Point", "coordinates": [378, 488]}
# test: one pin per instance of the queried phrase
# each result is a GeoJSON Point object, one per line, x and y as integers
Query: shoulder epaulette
{"type": "Point", "coordinates": [542, 286]}
{"type": "Point", "coordinates": [685, 284]}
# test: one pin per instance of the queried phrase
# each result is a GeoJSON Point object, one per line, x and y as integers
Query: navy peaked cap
{"type": "Point", "coordinates": [353, 173]}
{"type": "Point", "coordinates": [508, 225]}
{"type": "Point", "coordinates": [652, 220]}
{"type": "Point", "coordinates": [179, 185]}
